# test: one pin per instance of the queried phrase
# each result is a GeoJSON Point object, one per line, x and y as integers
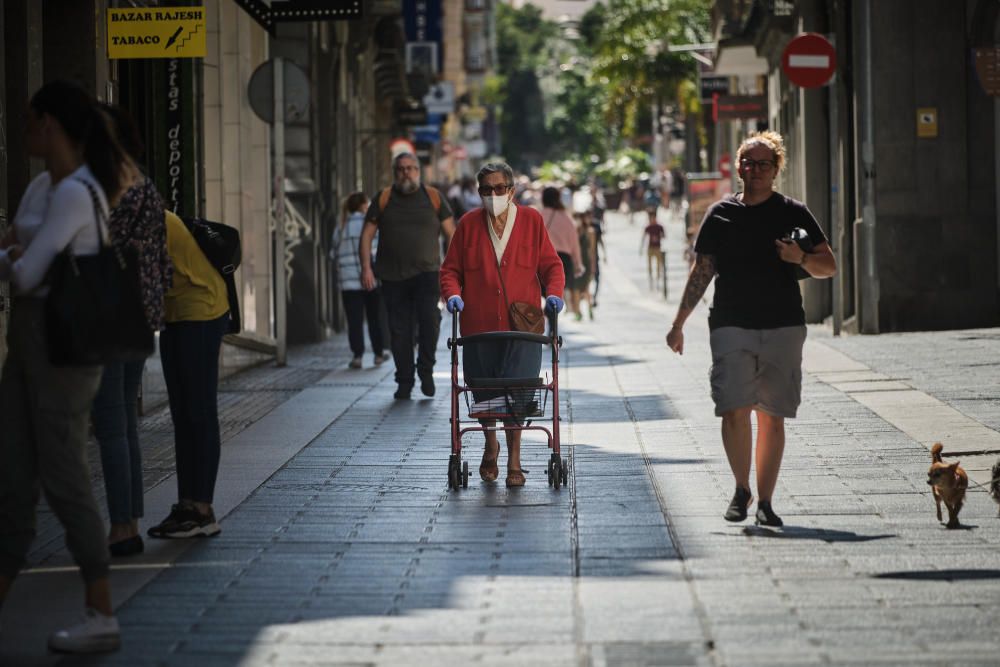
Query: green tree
{"type": "Point", "coordinates": [630, 39]}
{"type": "Point", "coordinates": [526, 44]}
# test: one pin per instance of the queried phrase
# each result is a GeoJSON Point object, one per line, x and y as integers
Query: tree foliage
{"type": "Point", "coordinates": [579, 93]}
{"type": "Point", "coordinates": [631, 56]}
{"type": "Point", "coordinates": [525, 43]}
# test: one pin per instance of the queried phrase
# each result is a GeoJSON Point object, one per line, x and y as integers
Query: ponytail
{"type": "Point", "coordinates": [86, 125]}
{"type": "Point", "coordinates": [352, 203]}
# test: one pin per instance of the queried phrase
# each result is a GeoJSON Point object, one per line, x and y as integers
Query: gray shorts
{"type": "Point", "coordinates": [759, 368]}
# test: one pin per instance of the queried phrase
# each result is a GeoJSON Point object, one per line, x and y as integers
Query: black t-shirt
{"type": "Point", "coordinates": [754, 288]}
{"type": "Point", "coordinates": [408, 232]}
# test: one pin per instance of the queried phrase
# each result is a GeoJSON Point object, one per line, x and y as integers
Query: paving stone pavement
{"type": "Point", "coordinates": [243, 399]}
{"type": "Point", "coordinates": [355, 553]}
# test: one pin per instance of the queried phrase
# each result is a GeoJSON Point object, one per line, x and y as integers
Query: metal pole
{"type": "Point", "coordinates": [281, 289]}
{"type": "Point", "coordinates": [868, 288]}
{"type": "Point", "coordinates": [836, 224]}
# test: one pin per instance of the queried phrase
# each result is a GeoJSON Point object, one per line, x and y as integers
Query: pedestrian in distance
{"type": "Point", "coordinates": [677, 190]}
{"type": "Point", "coordinates": [652, 240]}
{"type": "Point", "coordinates": [45, 407]}
{"type": "Point", "coordinates": [563, 235]}
{"type": "Point", "coordinates": [359, 303]}
{"type": "Point", "coordinates": [409, 218]}
{"type": "Point", "coordinates": [138, 221]}
{"type": "Point", "coordinates": [600, 252]}
{"type": "Point", "coordinates": [588, 263]}
{"type": "Point", "coordinates": [757, 323]}
{"type": "Point", "coordinates": [498, 256]}
{"type": "Point", "coordinates": [197, 316]}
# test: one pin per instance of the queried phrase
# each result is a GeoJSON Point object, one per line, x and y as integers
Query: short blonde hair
{"type": "Point", "coordinates": [769, 139]}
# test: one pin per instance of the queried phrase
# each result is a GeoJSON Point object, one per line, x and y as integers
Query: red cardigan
{"type": "Point", "coordinates": [470, 269]}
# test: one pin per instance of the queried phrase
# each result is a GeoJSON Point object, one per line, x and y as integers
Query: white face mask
{"type": "Point", "coordinates": [496, 205]}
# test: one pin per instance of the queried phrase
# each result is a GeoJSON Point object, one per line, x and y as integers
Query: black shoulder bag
{"type": "Point", "coordinates": [94, 311]}
{"type": "Point", "coordinates": [221, 246]}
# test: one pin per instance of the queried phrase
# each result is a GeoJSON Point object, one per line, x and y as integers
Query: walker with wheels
{"type": "Point", "coordinates": [518, 402]}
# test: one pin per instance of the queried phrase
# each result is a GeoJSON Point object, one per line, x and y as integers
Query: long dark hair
{"type": "Point", "coordinates": [551, 198]}
{"type": "Point", "coordinates": [84, 123]}
{"type": "Point", "coordinates": [126, 131]}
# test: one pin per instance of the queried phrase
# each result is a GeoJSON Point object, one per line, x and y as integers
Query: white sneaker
{"type": "Point", "coordinates": [96, 633]}
{"type": "Point", "coordinates": [355, 363]}
{"type": "Point", "coordinates": [381, 358]}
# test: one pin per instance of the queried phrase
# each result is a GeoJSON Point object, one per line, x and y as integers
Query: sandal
{"type": "Point", "coordinates": [488, 470]}
{"type": "Point", "coordinates": [515, 477]}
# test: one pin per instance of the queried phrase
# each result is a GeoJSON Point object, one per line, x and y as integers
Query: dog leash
{"type": "Point", "coordinates": [986, 485]}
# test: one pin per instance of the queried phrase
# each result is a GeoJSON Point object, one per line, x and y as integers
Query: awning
{"type": "Point", "coordinates": [738, 57]}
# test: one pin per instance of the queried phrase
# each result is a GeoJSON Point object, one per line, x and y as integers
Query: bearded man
{"type": "Point", "coordinates": [409, 219]}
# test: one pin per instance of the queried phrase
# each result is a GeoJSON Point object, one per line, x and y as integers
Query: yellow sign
{"type": "Point", "coordinates": [168, 32]}
{"type": "Point", "coordinates": [927, 126]}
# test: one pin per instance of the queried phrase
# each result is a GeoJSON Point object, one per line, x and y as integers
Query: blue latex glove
{"type": "Point", "coordinates": [455, 304]}
{"type": "Point", "coordinates": [554, 304]}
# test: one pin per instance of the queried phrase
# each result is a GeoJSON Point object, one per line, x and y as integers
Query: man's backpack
{"type": "Point", "coordinates": [433, 193]}
{"type": "Point", "coordinates": [221, 246]}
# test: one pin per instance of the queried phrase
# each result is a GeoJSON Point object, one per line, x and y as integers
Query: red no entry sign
{"type": "Point", "coordinates": [809, 60]}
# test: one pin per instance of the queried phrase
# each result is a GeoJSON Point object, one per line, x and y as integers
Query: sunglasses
{"type": "Point", "coordinates": [486, 190]}
{"type": "Point", "coordinates": [749, 165]}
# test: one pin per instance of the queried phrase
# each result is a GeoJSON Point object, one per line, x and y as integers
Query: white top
{"type": "Point", "coordinates": [50, 219]}
{"type": "Point", "coordinates": [500, 242]}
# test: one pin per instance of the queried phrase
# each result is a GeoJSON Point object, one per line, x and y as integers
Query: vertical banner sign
{"type": "Point", "coordinates": [422, 22]}
{"type": "Point", "coordinates": [174, 126]}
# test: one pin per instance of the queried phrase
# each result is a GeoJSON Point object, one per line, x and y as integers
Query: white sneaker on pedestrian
{"type": "Point", "coordinates": [96, 633]}
{"type": "Point", "coordinates": [381, 358]}
{"type": "Point", "coordinates": [355, 363]}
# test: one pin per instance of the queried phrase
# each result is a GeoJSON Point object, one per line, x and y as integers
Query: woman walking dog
{"type": "Point", "coordinates": [757, 323]}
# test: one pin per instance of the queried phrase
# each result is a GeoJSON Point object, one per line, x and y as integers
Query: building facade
{"type": "Point", "coordinates": [209, 152]}
{"type": "Point", "coordinates": [897, 156]}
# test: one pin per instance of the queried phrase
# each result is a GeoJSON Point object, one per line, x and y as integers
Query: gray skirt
{"type": "Point", "coordinates": [499, 359]}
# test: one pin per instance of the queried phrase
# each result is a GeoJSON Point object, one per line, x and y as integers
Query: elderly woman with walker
{"type": "Point", "coordinates": [496, 267]}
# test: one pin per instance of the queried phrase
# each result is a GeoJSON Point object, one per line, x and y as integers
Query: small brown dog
{"type": "Point", "coordinates": [948, 482]}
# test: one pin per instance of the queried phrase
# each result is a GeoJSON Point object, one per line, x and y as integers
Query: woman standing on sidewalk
{"type": "Point", "coordinates": [757, 323]}
{"type": "Point", "coordinates": [197, 315]}
{"type": "Point", "coordinates": [136, 221]}
{"type": "Point", "coordinates": [45, 408]}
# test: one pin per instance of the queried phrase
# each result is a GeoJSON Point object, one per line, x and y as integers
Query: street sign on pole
{"type": "Point", "coordinates": [809, 60]}
{"type": "Point", "coordinates": [279, 91]}
{"type": "Point", "coordinates": [295, 88]}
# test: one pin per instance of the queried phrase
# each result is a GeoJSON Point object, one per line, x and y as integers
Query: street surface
{"type": "Point", "coordinates": [341, 544]}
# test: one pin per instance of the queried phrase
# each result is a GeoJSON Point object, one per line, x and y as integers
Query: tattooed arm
{"type": "Point", "coordinates": [701, 275]}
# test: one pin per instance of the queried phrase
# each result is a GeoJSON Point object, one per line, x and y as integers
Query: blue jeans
{"type": "Point", "coordinates": [115, 417]}
{"type": "Point", "coordinates": [190, 355]}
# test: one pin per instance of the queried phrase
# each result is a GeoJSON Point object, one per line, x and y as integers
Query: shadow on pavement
{"type": "Point", "coordinates": [823, 534]}
{"type": "Point", "coordinates": [939, 575]}
{"type": "Point", "coordinates": [645, 407]}
{"type": "Point", "coordinates": [581, 357]}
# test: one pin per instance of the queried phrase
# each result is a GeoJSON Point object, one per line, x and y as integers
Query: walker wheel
{"type": "Point", "coordinates": [465, 474]}
{"type": "Point", "coordinates": [565, 471]}
{"type": "Point", "coordinates": [548, 472]}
